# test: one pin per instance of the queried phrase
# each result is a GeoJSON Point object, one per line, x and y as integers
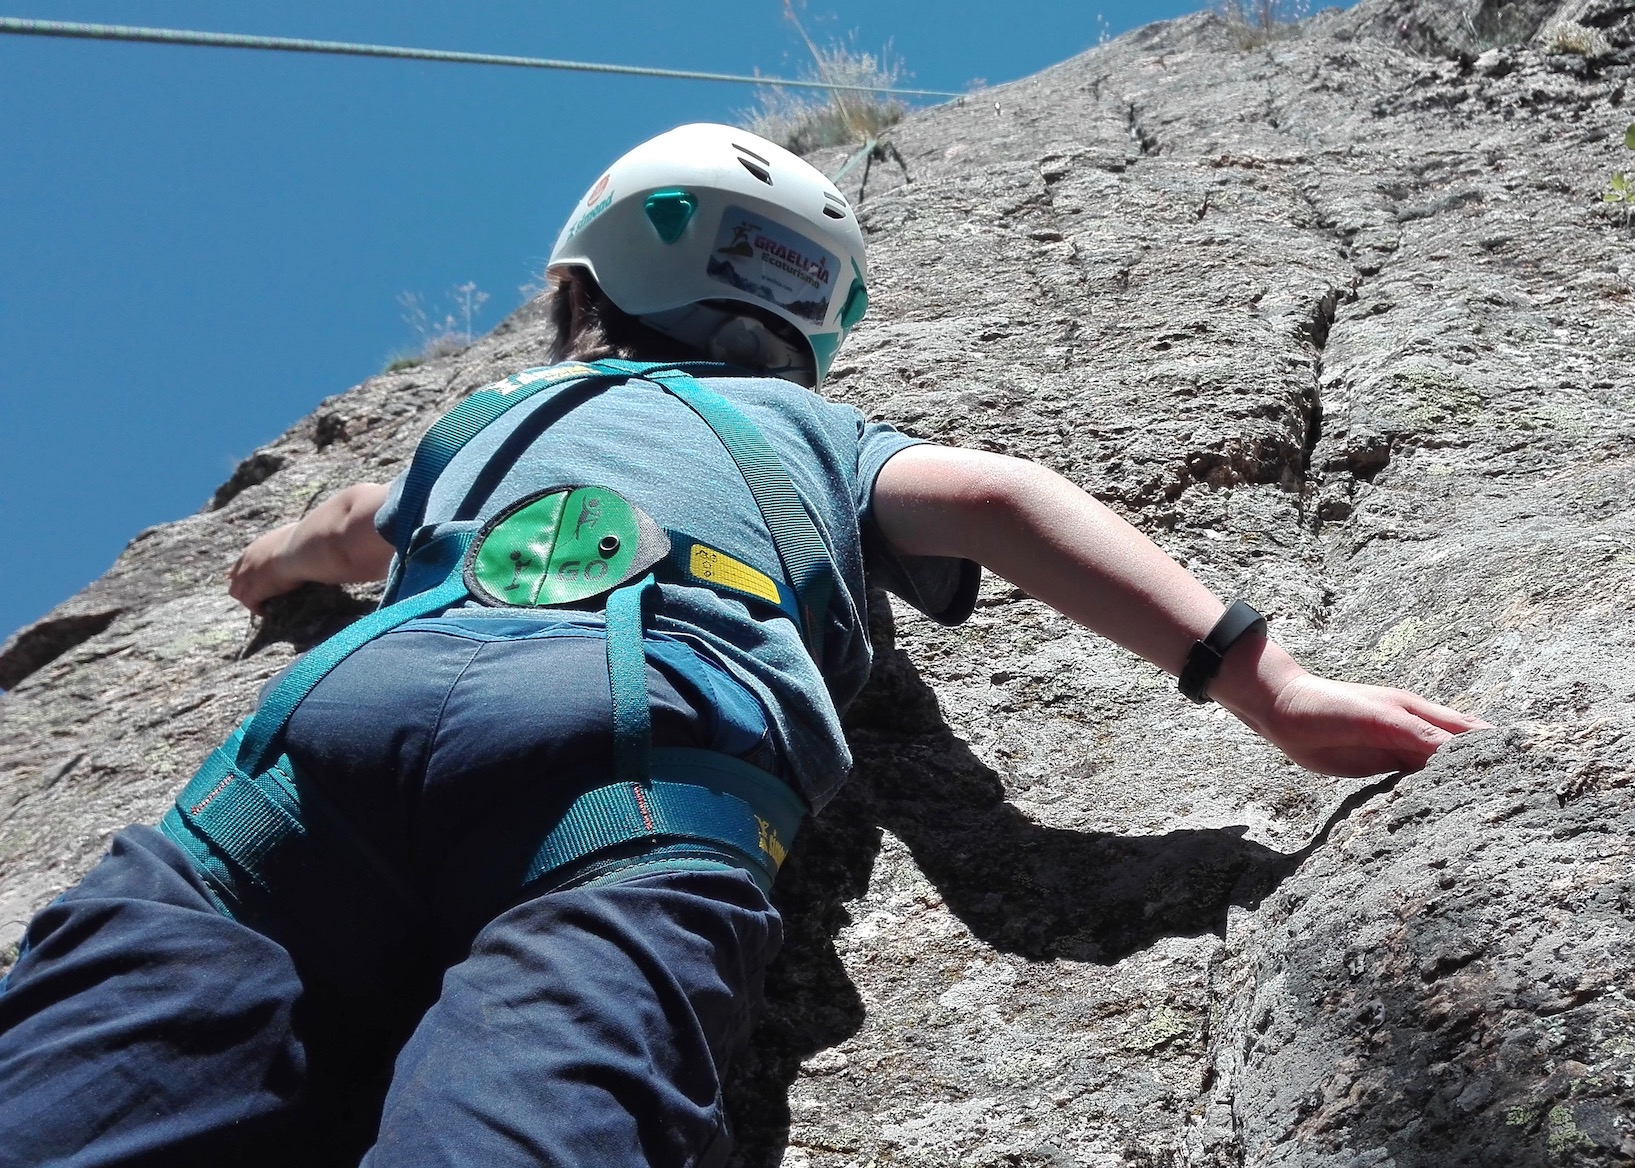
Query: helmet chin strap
{"type": "Point", "coordinates": [735, 340]}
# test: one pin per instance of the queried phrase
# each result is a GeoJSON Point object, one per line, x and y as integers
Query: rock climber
{"type": "Point", "coordinates": [485, 878]}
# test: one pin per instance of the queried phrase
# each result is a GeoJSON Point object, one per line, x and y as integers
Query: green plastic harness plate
{"type": "Point", "coordinates": [560, 546]}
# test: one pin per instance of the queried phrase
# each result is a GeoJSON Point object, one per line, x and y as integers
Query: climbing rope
{"type": "Point", "coordinates": [16, 26]}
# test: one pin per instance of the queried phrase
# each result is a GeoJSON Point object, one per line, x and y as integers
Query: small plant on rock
{"type": "Point", "coordinates": [1622, 191]}
{"type": "Point", "coordinates": [802, 124]}
{"type": "Point", "coordinates": [438, 335]}
{"type": "Point", "coordinates": [1259, 22]}
{"type": "Point", "coordinates": [1567, 37]}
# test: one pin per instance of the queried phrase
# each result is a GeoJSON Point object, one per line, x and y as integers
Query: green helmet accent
{"type": "Point", "coordinates": [857, 303]}
{"type": "Point", "coordinates": [670, 212]}
{"type": "Point", "coordinates": [824, 348]}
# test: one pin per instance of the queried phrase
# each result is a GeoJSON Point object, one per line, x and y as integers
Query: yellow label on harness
{"type": "Point", "coordinates": [715, 567]}
{"type": "Point", "coordinates": [770, 843]}
{"type": "Point", "coordinates": [545, 373]}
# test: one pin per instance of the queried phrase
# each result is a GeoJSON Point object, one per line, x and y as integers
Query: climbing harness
{"type": "Point", "coordinates": [268, 841]}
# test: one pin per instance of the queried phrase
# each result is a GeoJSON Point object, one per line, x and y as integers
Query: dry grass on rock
{"type": "Point", "coordinates": [801, 122]}
{"type": "Point", "coordinates": [1259, 22]}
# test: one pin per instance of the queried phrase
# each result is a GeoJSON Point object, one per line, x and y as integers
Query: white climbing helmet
{"type": "Point", "coordinates": [706, 214]}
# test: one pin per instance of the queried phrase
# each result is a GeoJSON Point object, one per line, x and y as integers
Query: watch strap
{"type": "Point", "coordinates": [1204, 660]}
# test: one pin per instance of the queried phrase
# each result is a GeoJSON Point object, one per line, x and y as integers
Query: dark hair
{"type": "Point", "coordinates": [589, 326]}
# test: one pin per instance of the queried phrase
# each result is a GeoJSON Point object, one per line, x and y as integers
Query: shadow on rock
{"type": "Point", "coordinates": [306, 616]}
{"type": "Point", "coordinates": [811, 1004]}
{"type": "Point", "coordinates": [1036, 891]}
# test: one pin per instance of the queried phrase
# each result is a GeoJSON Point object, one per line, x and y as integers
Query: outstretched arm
{"type": "Point", "coordinates": [334, 543]}
{"type": "Point", "coordinates": [1057, 543]}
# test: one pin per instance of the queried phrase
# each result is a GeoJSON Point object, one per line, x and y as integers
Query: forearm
{"type": "Point", "coordinates": [1054, 541]}
{"type": "Point", "coordinates": [1059, 544]}
{"type": "Point", "coordinates": [1062, 546]}
{"type": "Point", "coordinates": [334, 543]}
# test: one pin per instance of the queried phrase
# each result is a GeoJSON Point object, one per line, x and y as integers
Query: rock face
{"type": "Point", "coordinates": [1340, 321]}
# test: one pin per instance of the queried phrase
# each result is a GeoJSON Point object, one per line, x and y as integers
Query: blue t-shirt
{"type": "Point", "coordinates": [638, 440]}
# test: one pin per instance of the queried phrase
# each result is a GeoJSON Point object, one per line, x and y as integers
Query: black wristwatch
{"type": "Point", "coordinates": [1204, 661]}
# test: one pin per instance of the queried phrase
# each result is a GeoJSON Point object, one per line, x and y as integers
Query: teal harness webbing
{"type": "Point", "coordinates": [261, 736]}
{"type": "Point", "coordinates": [269, 839]}
{"type": "Point", "coordinates": [252, 827]}
{"type": "Point", "coordinates": [718, 798]}
{"type": "Point", "coordinates": [450, 434]}
{"type": "Point", "coordinates": [627, 679]}
{"type": "Point", "coordinates": [807, 565]}
{"type": "Point", "coordinates": [800, 548]}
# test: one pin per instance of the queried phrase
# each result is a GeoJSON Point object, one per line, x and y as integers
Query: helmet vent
{"type": "Point", "coordinates": [834, 206]}
{"type": "Point", "coordinates": [751, 153]}
{"type": "Point", "coordinates": [759, 172]}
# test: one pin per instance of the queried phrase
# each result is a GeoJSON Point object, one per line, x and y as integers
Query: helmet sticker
{"type": "Point", "coordinates": [595, 211]}
{"type": "Point", "coordinates": [774, 264]}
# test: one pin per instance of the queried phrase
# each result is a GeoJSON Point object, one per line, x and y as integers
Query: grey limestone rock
{"type": "Point", "coordinates": [1341, 322]}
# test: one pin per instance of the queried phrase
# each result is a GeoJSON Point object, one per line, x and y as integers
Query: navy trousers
{"type": "Point", "coordinates": [578, 1025]}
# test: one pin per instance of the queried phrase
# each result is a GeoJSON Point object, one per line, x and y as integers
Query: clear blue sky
{"type": "Point", "coordinates": [196, 245]}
